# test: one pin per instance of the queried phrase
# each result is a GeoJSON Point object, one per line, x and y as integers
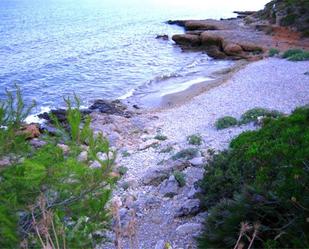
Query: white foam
{"type": "Point", "coordinates": [127, 95]}
{"type": "Point", "coordinates": [182, 86]}
{"type": "Point", "coordinates": [34, 117]}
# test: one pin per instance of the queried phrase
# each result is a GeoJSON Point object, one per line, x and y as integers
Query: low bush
{"type": "Point", "coordinates": [160, 137]}
{"type": "Point", "coordinates": [122, 170]}
{"type": "Point", "coordinates": [252, 115]}
{"type": "Point", "coordinates": [188, 154]}
{"type": "Point", "coordinates": [296, 55]}
{"type": "Point", "coordinates": [273, 51]}
{"type": "Point", "coordinates": [195, 139]}
{"type": "Point", "coordinates": [167, 149]}
{"type": "Point", "coordinates": [255, 190]}
{"type": "Point", "coordinates": [225, 122]}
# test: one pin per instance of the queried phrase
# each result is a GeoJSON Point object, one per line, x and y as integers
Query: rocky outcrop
{"type": "Point", "coordinates": [248, 37]}
{"type": "Point", "coordinates": [187, 40]}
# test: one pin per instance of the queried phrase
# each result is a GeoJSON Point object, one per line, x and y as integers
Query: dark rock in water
{"type": "Point", "coordinates": [60, 114]}
{"type": "Point", "coordinates": [163, 37]}
{"type": "Point", "coordinates": [110, 107]}
{"type": "Point", "coordinates": [177, 22]}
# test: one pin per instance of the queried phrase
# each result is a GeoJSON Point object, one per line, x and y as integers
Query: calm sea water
{"type": "Point", "coordinates": [99, 48]}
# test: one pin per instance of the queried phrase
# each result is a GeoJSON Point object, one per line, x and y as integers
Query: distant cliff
{"type": "Point", "coordinates": [287, 13]}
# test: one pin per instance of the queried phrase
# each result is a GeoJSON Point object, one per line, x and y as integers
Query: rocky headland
{"type": "Point", "coordinates": [250, 36]}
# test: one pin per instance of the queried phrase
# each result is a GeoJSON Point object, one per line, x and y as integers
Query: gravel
{"type": "Point", "coordinates": [270, 83]}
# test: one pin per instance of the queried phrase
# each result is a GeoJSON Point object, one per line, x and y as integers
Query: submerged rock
{"type": "Point", "coordinates": [162, 37]}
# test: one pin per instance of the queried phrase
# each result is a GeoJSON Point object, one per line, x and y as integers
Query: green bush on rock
{"type": "Point", "coordinates": [260, 182]}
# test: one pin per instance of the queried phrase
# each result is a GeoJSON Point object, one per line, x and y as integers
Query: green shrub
{"type": "Point", "coordinates": [188, 154]}
{"type": "Point", "coordinates": [48, 187]}
{"type": "Point", "coordinates": [225, 122]}
{"type": "Point", "coordinates": [296, 55]}
{"type": "Point", "coordinates": [195, 139]}
{"type": "Point", "coordinates": [304, 56]}
{"type": "Point", "coordinates": [273, 51]}
{"type": "Point", "coordinates": [252, 115]}
{"type": "Point", "coordinates": [168, 149]}
{"type": "Point", "coordinates": [122, 170]}
{"type": "Point", "coordinates": [180, 178]}
{"type": "Point", "coordinates": [288, 20]}
{"type": "Point", "coordinates": [13, 112]}
{"type": "Point", "coordinates": [260, 179]}
{"type": "Point", "coordinates": [160, 137]}
{"type": "Point", "coordinates": [125, 154]}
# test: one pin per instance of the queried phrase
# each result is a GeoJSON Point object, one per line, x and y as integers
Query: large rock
{"type": "Point", "coordinates": [154, 176]}
{"type": "Point", "coordinates": [189, 229]}
{"type": "Point", "coordinates": [187, 40]}
{"type": "Point", "coordinates": [30, 131]}
{"type": "Point", "coordinates": [189, 208]}
{"type": "Point", "coordinates": [232, 49]}
{"type": "Point", "coordinates": [110, 107]}
{"type": "Point", "coordinates": [211, 39]}
{"type": "Point", "coordinates": [199, 25]}
{"type": "Point", "coordinates": [169, 188]}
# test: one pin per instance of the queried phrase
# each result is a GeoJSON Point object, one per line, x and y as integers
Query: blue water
{"type": "Point", "coordinates": [96, 48]}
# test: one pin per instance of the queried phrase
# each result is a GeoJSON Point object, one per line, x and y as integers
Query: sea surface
{"type": "Point", "coordinates": [101, 48]}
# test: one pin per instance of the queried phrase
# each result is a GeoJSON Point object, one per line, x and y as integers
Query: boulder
{"type": "Point", "coordinates": [199, 25]}
{"type": "Point", "coordinates": [232, 49]}
{"type": "Point", "coordinates": [197, 161]}
{"type": "Point", "coordinates": [215, 52]}
{"type": "Point", "coordinates": [30, 131]}
{"type": "Point", "coordinates": [160, 245]}
{"type": "Point", "coordinates": [5, 161]}
{"type": "Point", "coordinates": [162, 37]}
{"type": "Point", "coordinates": [37, 143]}
{"type": "Point", "coordinates": [169, 188]}
{"type": "Point", "coordinates": [189, 208]}
{"type": "Point", "coordinates": [110, 107]}
{"type": "Point", "coordinates": [189, 228]}
{"type": "Point", "coordinates": [187, 40]}
{"type": "Point", "coordinates": [83, 156]}
{"type": "Point", "coordinates": [249, 47]}
{"type": "Point", "coordinates": [65, 148]}
{"type": "Point", "coordinates": [210, 39]}
{"type": "Point", "coordinates": [154, 176]}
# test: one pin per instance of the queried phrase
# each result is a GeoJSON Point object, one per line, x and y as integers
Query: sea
{"type": "Point", "coordinates": [102, 49]}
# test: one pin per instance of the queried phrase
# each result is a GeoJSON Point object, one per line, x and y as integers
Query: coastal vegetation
{"type": "Point", "coordinates": [225, 122]}
{"type": "Point", "coordinates": [48, 197]}
{"type": "Point", "coordinates": [195, 139]}
{"type": "Point", "coordinates": [296, 55]}
{"type": "Point", "coordinates": [255, 190]}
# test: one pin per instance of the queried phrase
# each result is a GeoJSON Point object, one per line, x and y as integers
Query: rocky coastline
{"type": "Point", "coordinates": [246, 37]}
{"type": "Point", "coordinates": [156, 208]}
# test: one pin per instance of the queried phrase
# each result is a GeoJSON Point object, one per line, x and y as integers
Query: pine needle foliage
{"type": "Point", "coordinates": [74, 194]}
{"type": "Point", "coordinates": [261, 179]}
